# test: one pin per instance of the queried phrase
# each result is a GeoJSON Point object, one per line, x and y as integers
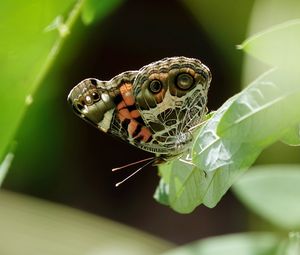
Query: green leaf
{"type": "Point", "coordinates": [264, 111]}
{"type": "Point", "coordinates": [292, 136]}
{"type": "Point", "coordinates": [94, 10]}
{"type": "Point", "coordinates": [161, 194]}
{"type": "Point", "coordinates": [241, 244]}
{"type": "Point", "coordinates": [290, 246]}
{"type": "Point", "coordinates": [222, 158]}
{"type": "Point", "coordinates": [259, 116]}
{"type": "Point", "coordinates": [277, 46]}
{"type": "Point", "coordinates": [34, 32]}
{"type": "Point", "coordinates": [187, 186]}
{"type": "Point", "coordinates": [231, 140]}
{"type": "Point", "coordinates": [182, 185]}
{"type": "Point", "coordinates": [273, 192]}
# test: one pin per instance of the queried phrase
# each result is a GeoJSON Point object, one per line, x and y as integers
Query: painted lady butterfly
{"type": "Point", "coordinates": [154, 108]}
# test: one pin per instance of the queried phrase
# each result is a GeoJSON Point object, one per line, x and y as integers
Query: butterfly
{"type": "Point", "coordinates": [155, 108]}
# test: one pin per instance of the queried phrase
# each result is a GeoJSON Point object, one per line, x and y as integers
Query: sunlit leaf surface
{"type": "Point", "coordinates": [264, 110]}
{"type": "Point", "coordinates": [277, 46]}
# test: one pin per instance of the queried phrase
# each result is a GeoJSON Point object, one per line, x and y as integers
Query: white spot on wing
{"type": "Point", "coordinates": [105, 97]}
{"type": "Point", "coordinates": [104, 125]}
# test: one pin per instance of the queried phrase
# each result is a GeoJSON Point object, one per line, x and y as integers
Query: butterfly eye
{"type": "Point", "coordinates": [95, 96]}
{"type": "Point", "coordinates": [184, 81]}
{"type": "Point", "coordinates": [155, 86]}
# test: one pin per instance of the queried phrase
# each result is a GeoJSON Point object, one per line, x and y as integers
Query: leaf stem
{"type": "Point", "coordinates": [64, 31]}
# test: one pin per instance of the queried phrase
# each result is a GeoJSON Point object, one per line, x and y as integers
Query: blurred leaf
{"type": "Point", "coordinates": [292, 136]}
{"type": "Point", "coordinates": [34, 32]}
{"type": "Point", "coordinates": [266, 14]}
{"type": "Point", "coordinates": [273, 192]}
{"type": "Point", "coordinates": [292, 245]}
{"type": "Point", "coordinates": [31, 226]}
{"type": "Point", "coordinates": [278, 46]}
{"type": "Point", "coordinates": [241, 244]}
{"type": "Point", "coordinates": [98, 9]}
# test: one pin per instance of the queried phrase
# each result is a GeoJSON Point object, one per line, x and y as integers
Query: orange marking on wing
{"type": "Point", "coordinates": [121, 117]}
{"type": "Point", "coordinates": [126, 92]}
{"type": "Point", "coordinates": [129, 99]}
{"type": "Point", "coordinates": [135, 114]}
{"type": "Point", "coordinates": [126, 87]}
{"type": "Point", "coordinates": [124, 113]}
{"type": "Point", "coordinates": [132, 127]}
{"type": "Point", "coordinates": [121, 105]}
{"type": "Point", "coordinates": [145, 133]}
{"type": "Point", "coordinates": [160, 96]}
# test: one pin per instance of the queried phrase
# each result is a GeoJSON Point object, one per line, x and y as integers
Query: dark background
{"type": "Point", "coordinates": [70, 162]}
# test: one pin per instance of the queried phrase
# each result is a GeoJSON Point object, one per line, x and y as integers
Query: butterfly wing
{"type": "Point", "coordinates": [98, 102]}
{"type": "Point", "coordinates": [171, 96]}
{"type": "Point", "coordinates": [153, 108]}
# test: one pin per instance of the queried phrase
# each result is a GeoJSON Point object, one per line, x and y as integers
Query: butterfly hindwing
{"type": "Point", "coordinates": [171, 96]}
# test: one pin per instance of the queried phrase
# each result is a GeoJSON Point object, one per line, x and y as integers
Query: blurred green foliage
{"type": "Point", "coordinates": [267, 110]}
{"type": "Point", "coordinates": [272, 191]}
{"type": "Point", "coordinates": [242, 244]}
{"type": "Point", "coordinates": [95, 10]}
{"type": "Point", "coordinates": [34, 33]}
{"type": "Point", "coordinates": [32, 39]}
{"type": "Point", "coordinates": [32, 226]}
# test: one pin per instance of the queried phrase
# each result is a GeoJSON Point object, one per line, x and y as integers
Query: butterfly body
{"type": "Point", "coordinates": [153, 108]}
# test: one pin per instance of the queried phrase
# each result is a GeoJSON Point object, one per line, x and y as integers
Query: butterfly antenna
{"type": "Point", "coordinates": [135, 172]}
{"type": "Point", "coordinates": [131, 164]}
